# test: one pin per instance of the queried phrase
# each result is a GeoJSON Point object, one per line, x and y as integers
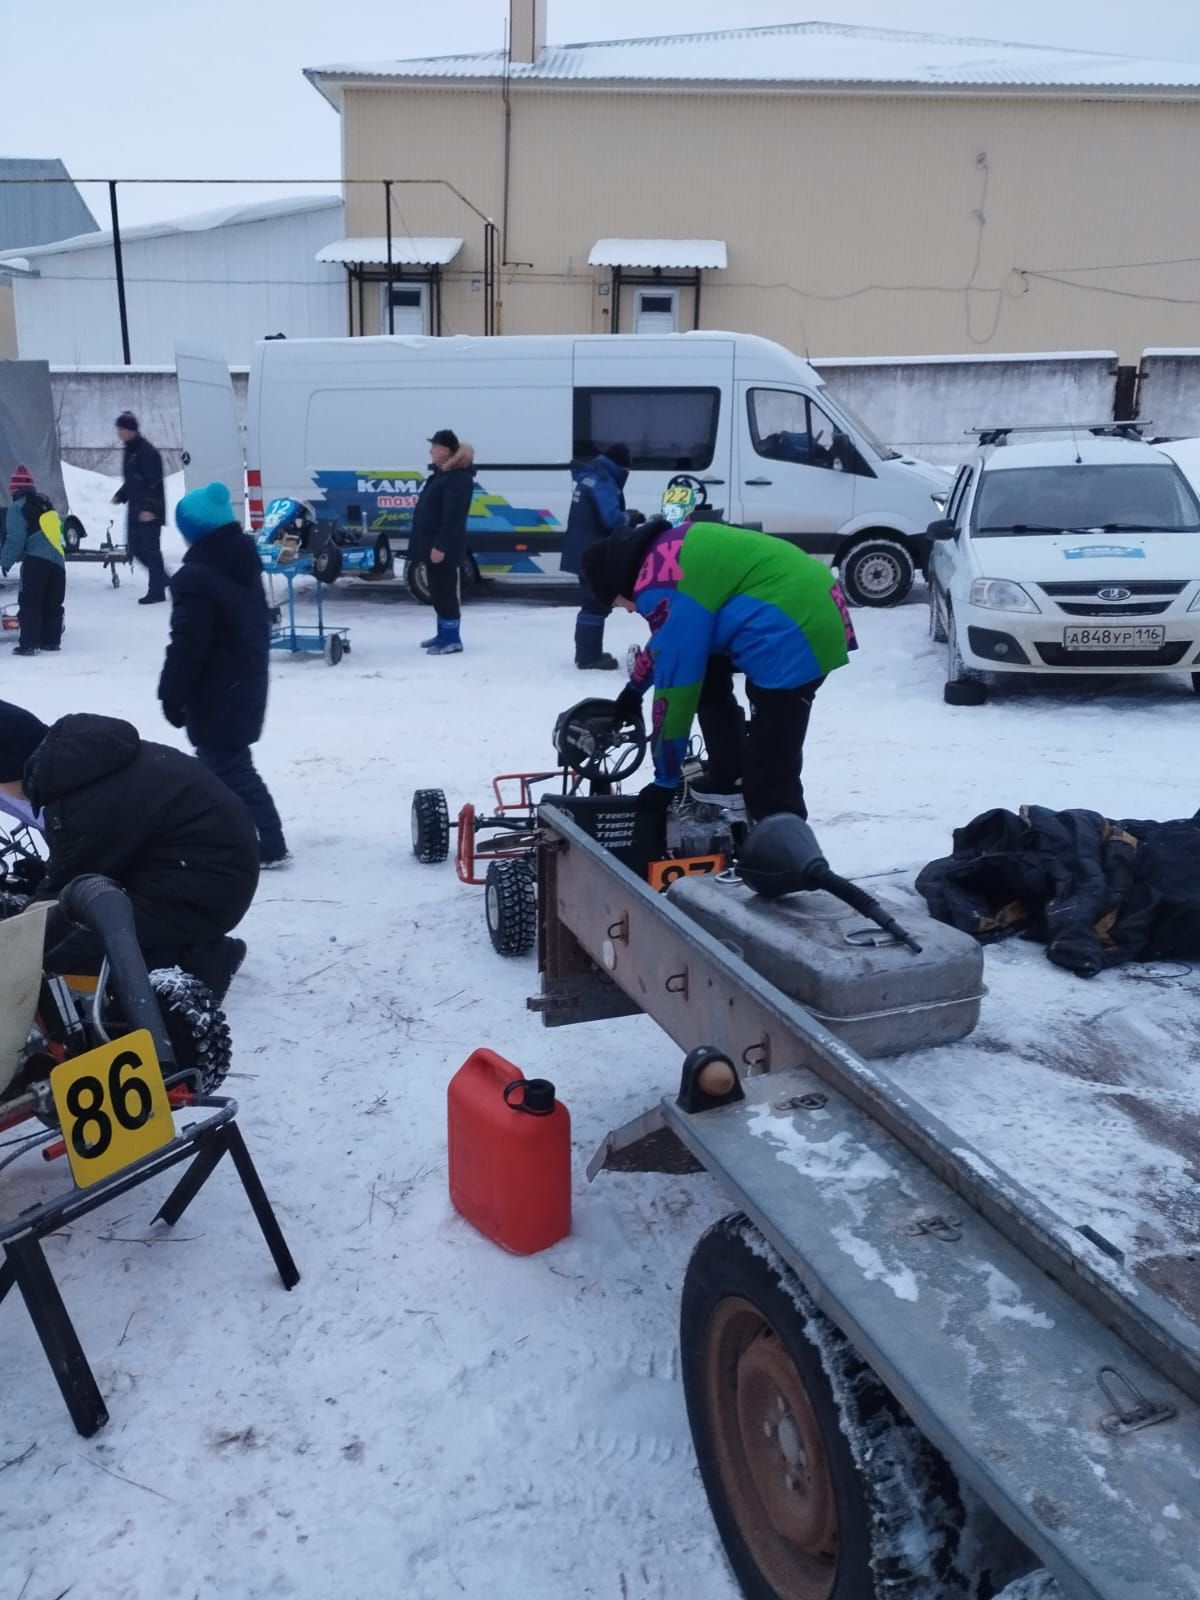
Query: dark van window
{"type": "Point", "coordinates": [667, 430]}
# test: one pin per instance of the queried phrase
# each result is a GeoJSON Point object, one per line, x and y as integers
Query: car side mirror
{"type": "Point", "coordinates": [943, 528]}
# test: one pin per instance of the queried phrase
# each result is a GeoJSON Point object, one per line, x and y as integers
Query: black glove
{"type": "Point", "coordinates": [655, 799]}
{"type": "Point", "coordinates": [635, 518]}
{"type": "Point", "coordinates": [627, 707]}
{"type": "Point", "coordinates": [174, 715]}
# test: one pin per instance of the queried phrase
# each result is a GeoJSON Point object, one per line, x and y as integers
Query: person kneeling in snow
{"type": "Point", "coordinates": [720, 600]}
{"type": "Point", "coordinates": [181, 846]}
{"type": "Point", "coordinates": [214, 678]}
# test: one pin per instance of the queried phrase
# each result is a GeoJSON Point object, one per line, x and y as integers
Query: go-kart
{"type": "Point", "coordinates": [293, 535]}
{"type": "Point", "coordinates": [47, 1019]}
{"type": "Point", "coordinates": [594, 750]}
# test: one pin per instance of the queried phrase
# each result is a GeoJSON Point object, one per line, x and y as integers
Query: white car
{"type": "Point", "coordinates": [1076, 554]}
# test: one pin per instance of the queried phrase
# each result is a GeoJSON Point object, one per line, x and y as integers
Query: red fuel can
{"type": "Point", "coordinates": [510, 1154]}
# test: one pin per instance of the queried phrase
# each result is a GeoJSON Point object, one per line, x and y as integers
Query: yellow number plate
{"type": "Point", "coordinates": [663, 874]}
{"type": "Point", "coordinates": [113, 1107]}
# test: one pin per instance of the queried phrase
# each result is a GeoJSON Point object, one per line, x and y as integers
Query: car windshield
{"type": "Point", "coordinates": [836, 404]}
{"type": "Point", "coordinates": [1135, 497]}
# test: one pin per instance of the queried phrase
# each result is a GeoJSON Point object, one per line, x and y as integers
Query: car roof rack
{"type": "Point", "coordinates": [1130, 429]}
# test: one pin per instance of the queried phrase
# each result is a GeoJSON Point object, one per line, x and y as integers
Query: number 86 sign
{"type": "Point", "coordinates": [113, 1107]}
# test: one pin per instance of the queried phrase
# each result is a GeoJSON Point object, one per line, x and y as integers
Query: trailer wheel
{"type": "Point", "coordinates": [877, 571]}
{"type": "Point", "coordinates": [812, 1472]}
{"type": "Point", "coordinates": [74, 533]}
{"type": "Point", "coordinates": [430, 826]}
{"type": "Point", "coordinates": [510, 903]}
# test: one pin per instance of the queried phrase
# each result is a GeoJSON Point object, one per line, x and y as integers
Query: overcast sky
{"type": "Point", "coordinates": [212, 88]}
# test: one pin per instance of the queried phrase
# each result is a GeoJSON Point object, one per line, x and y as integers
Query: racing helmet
{"type": "Point", "coordinates": [287, 517]}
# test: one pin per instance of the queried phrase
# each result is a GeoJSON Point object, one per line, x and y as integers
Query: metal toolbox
{"type": "Point", "coordinates": [866, 987]}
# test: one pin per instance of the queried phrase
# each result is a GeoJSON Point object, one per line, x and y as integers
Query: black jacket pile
{"type": "Point", "coordinates": [181, 845]}
{"type": "Point", "coordinates": [215, 672]}
{"type": "Point", "coordinates": [1096, 892]}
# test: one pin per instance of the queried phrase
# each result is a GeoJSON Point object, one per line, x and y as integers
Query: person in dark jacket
{"type": "Point", "coordinates": [214, 678]}
{"type": "Point", "coordinates": [597, 510]}
{"type": "Point", "coordinates": [439, 533]}
{"type": "Point", "coordinates": [170, 833]}
{"type": "Point", "coordinates": [144, 499]}
{"type": "Point", "coordinates": [33, 536]}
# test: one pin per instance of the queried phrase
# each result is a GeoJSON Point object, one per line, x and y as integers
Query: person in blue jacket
{"type": "Point", "coordinates": [597, 510]}
{"type": "Point", "coordinates": [214, 678]}
{"type": "Point", "coordinates": [33, 536]}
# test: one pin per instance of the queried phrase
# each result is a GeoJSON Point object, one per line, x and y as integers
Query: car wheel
{"type": "Point", "coordinates": [937, 623]}
{"type": "Point", "coordinates": [877, 572]}
{"type": "Point", "coordinates": [964, 686]}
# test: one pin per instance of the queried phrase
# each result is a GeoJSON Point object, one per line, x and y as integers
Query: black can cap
{"type": "Point", "coordinates": [537, 1096]}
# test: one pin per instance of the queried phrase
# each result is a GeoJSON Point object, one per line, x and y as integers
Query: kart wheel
{"type": "Point", "coordinates": [196, 1025]}
{"type": "Point", "coordinates": [809, 1466]}
{"type": "Point", "coordinates": [74, 534]}
{"type": "Point", "coordinates": [327, 564]}
{"type": "Point", "coordinates": [430, 826]}
{"type": "Point", "coordinates": [510, 904]}
{"type": "Point", "coordinates": [381, 559]}
{"type": "Point", "coordinates": [876, 572]}
{"type": "Point", "coordinates": [334, 648]}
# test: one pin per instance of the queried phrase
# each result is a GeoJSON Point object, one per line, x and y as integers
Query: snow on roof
{"type": "Point", "coordinates": [197, 222]}
{"type": "Point", "coordinates": [814, 53]}
{"type": "Point", "coordinates": [408, 250]}
{"type": "Point", "coordinates": [658, 253]}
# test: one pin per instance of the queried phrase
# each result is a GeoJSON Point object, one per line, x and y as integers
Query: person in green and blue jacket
{"type": "Point", "coordinates": [721, 600]}
{"type": "Point", "coordinates": [33, 537]}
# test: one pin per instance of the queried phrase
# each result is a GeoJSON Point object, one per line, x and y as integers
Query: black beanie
{"type": "Point", "coordinates": [611, 565]}
{"type": "Point", "coordinates": [619, 455]}
{"type": "Point", "coordinates": [128, 421]}
{"type": "Point", "coordinates": [20, 734]}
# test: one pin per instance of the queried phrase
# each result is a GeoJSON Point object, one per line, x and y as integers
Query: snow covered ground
{"type": "Point", "coordinates": [424, 1415]}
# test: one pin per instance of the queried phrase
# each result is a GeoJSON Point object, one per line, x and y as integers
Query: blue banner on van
{"type": "Point", "coordinates": [504, 537]}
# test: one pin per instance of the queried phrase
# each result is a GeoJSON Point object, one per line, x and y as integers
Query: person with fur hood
{"type": "Point", "coordinates": [439, 533]}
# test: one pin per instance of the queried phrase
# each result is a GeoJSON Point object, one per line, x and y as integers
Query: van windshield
{"type": "Point", "coordinates": [857, 425]}
{"type": "Point", "coordinates": [1086, 498]}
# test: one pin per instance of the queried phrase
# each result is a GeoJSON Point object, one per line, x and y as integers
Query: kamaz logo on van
{"type": "Point", "coordinates": [385, 486]}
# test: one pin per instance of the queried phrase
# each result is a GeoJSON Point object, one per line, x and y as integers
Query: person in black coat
{"type": "Point", "coordinates": [143, 496]}
{"type": "Point", "coordinates": [214, 678]}
{"type": "Point", "coordinates": [597, 510]}
{"type": "Point", "coordinates": [439, 533]}
{"type": "Point", "coordinates": [170, 833]}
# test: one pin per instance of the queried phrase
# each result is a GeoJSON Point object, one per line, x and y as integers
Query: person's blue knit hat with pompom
{"type": "Point", "coordinates": [204, 510]}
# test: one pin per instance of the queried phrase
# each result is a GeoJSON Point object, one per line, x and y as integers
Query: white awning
{"type": "Point", "coordinates": [701, 253]}
{"type": "Point", "coordinates": [407, 251]}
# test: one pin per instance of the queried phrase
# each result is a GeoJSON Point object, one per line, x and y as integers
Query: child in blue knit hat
{"type": "Point", "coordinates": [214, 678]}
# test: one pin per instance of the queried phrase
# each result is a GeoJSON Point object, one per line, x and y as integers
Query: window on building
{"type": "Point", "coordinates": [656, 311]}
{"type": "Point", "coordinates": [408, 308]}
{"type": "Point", "coordinates": [786, 426]}
{"type": "Point", "coordinates": [667, 430]}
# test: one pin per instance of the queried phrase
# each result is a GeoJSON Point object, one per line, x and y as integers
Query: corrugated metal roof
{"type": "Point", "coordinates": [198, 222]}
{"type": "Point", "coordinates": [408, 250]}
{"type": "Point", "coordinates": [38, 213]}
{"type": "Point", "coordinates": [816, 53]}
{"type": "Point", "coordinates": [710, 253]}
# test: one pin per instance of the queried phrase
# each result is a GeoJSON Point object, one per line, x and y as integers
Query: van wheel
{"type": "Point", "coordinates": [812, 1472]}
{"type": "Point", "coordinates": [964, 686]}
{"type": "Point", "coordinates": [416, 576]}
{"type": "Point", "coordinates": [877, 572]}
{"type": "Point", "coordinates": [74, 533]}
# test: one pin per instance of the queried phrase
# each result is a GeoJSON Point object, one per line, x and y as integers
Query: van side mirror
{"type": "Point", "coordinates": [943, 528]}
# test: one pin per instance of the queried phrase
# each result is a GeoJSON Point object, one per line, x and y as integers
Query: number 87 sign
{"type": "Point", "coordinates": [113, 1107]}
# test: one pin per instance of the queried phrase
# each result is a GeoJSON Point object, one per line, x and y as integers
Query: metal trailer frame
{"type": "Point", "coordinates": [1076, 1419]}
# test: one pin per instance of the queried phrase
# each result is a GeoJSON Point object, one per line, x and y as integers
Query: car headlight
{"type": "Point", "coordinates": [999, 594]}
{"type": "Point", "coordinates": [939, 501]}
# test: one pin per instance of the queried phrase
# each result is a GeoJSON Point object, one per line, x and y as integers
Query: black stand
{"type": "Point", "coordinates": [25, 1265]}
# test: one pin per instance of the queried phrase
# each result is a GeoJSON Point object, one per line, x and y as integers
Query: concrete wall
{"type": "Point", "coordinates": [87, 402]}
{"type": "Point", "coordinates": [923, 406]}
{"type": "Point", "coordinates": [1169, 391]}
{"type": "Point", "coordinates": [8, 324]}
{"type": "Point", "coordinates": [222, 286]}
{"type": "Point", "coordinates": [868, 224]}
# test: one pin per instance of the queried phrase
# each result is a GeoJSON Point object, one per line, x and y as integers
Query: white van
{"type": "Point", "coordinates": [343, 423]}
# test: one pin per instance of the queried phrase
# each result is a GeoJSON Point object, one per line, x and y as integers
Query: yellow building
{"type": "Point", "coordinates": [847, 191]}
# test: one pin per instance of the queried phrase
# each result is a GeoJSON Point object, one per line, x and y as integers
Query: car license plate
{"type": "Point", "coordinates": [1110, 637]}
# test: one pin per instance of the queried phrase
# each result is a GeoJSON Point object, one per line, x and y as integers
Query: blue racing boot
{"type": "Point", "coordinates": [448, 642]}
